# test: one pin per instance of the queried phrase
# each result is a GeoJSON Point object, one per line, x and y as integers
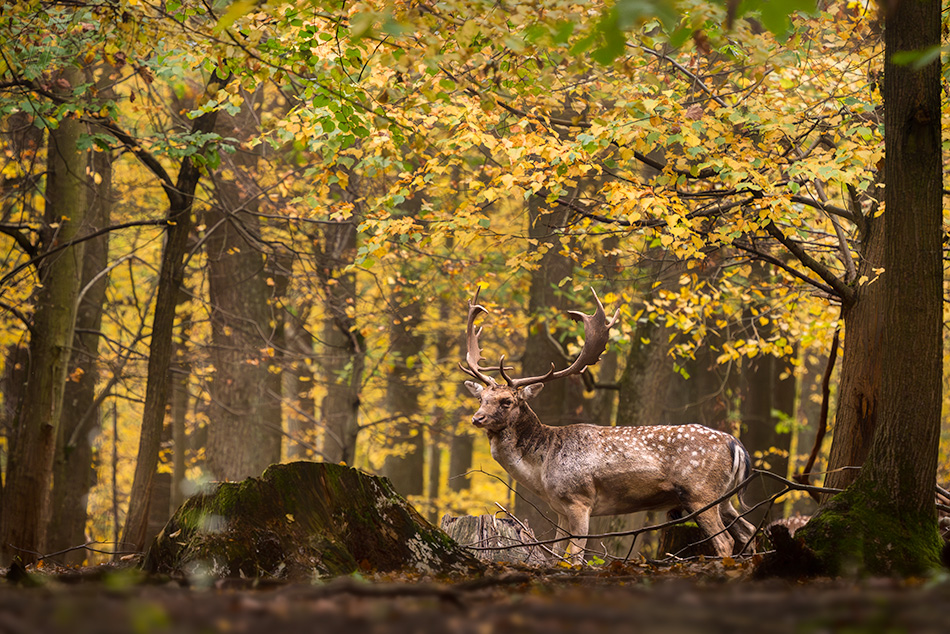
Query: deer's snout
{"type": "Point", "coordinates": [479, 419]}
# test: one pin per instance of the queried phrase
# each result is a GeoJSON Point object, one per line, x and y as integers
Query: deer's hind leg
{"type": "Point", "coordinates": [740, 529]}
{"type": "Point", "coordinates": [711, 523]}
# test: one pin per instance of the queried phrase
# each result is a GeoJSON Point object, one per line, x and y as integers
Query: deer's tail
{"type": "Point", "coordinates": [741, 469]}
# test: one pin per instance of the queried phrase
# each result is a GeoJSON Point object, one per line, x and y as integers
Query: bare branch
{"type": "Point", "coordinates": [774, 261]}
{"type": "Point", "coordinates": [20, 238]}
{"type": "Point", "coordinates": [65, 245]}
{"type": "Point", "coordinates": [841, 289]}
{"type": "Point", "coordinates": [695, 79]}
{"type": "Point", "coordinates": [831, 210]}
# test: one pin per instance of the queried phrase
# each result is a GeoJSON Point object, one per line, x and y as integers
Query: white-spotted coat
{"type": "Point", "coordinates": [590, 470]}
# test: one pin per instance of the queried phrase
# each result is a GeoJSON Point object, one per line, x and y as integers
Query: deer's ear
{"type": "Point", "coordinates": [530, 391]}
{"type": "Point", "coordinates": [475, 388]}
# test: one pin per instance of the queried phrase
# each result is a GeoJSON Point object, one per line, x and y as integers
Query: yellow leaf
{"type": "Point", "coordinates": [235, 11]}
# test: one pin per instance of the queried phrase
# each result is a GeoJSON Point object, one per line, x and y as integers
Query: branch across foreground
{"type": "Point", "coordinates": [789, 486]}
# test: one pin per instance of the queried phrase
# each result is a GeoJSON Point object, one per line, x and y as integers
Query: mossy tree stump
{"type": "Point", "coordinates": [685, 540]}
{"type": "Point", "coordinates": [301, 520]}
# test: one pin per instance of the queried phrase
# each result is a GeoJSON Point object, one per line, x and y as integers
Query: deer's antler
{"type": "Point", "coordinates": [596, 336]}
{"type": "Point", "coordinates": [474, 353]}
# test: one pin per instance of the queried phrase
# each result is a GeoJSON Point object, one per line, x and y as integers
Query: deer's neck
{"type": "Point", "coordinates": [521, 447]}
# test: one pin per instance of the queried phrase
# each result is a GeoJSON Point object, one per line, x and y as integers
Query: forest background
{"type": "Point", "coordinates": [239, 233]}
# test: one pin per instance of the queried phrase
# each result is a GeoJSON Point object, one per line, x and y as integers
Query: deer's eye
{"type": "Point", "coordinates": [505, 402]}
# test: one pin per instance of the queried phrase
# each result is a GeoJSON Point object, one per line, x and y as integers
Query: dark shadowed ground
{"type": "Point", "coordinates": [703, 597]}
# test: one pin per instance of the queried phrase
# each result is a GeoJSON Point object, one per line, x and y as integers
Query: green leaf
{"type": "Point", "coordinates": [563, 32]}
{"type": "Point", "coordinates": [916, 59]}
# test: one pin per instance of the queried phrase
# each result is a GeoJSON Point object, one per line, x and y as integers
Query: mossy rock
{"type": "Point", "coordinates": [301, 520]}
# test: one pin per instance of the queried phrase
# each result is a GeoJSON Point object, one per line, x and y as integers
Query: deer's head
{"type": "Point", "coordinates": [502, 405]}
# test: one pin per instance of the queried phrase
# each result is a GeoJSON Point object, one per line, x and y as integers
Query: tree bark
{"type": "Point", "coordinates": [298, 383]}
{"type": "Point", "coordinates": [885, 523]}
{"type": "Point", "coordinates": [244, 427]}
{"type": "Point", "coordinates": [405, 469]}
{"type": "Point", "coordinates": [73, 473]}
{"type": "Point", "coordinates": [179, 400]}
{"type": "Point", "coordinates": [763, 393]}
{"type": "Point", "coordinates": [303, 520]}
{"type": "Point", "coordinates": [859, 397]}
{"type": "Point", "coordinates": [644, 382]}
{"type": "Point", "coordinates": [343, 352]}
{"type": "Point", "coordinates": [26, 500]}
{"type": "Point", "coordinates": [179, 218]}
{"type": "Point", "coordinates": [460, 459]}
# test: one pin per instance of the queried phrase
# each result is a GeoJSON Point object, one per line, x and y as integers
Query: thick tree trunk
{"type": "Point", "coordinates": [859, 398]}
{"type": "Point", "coordinates": [644, 382]}
{"type": "Point", "coordinates": [26, 501]}
{"type": "Point", "coordinates": [704, 397]}
{"type": "Point", "coordinates": [885, 523]}
{"type": "Point", "coordinates": [244, 427]}
{"type": "Point", "coordinates": [73, 473]}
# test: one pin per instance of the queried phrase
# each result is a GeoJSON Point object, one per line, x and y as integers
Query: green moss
{"type": "Point", "coordinates": [856, 533]}
{"type": "Point", "coordinates": [302, 519]}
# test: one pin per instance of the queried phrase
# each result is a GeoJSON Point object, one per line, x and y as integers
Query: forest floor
{"type": "Point", "coordinates": [705, 597]}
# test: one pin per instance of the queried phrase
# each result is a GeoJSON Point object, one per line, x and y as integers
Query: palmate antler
{"type": "Point", "coordinates": [596, 336]}
{"type": "Point", "coordinates": [473, 353]}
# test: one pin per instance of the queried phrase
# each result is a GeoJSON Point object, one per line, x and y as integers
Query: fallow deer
{"type": "Point", "coordinates": [584, 470]}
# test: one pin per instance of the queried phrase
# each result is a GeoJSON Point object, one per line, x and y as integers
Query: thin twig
{"type": "Point", "coordinates": [803, 477]}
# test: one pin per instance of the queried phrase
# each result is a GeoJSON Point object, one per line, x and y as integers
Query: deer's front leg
{"type": "Point", "coordinates": [576, 519]}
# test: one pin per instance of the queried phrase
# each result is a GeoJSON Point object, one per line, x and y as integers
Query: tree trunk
{"type": "Point", "coordinates": [644, 382]}
{"type": "Point", "coordinates": [244, 427]}
{"type": "Point", "coordinates": [299, 384]}
{"type": "Point", "coordinates": [406, 467]}
{"type": "Point", "coordinates": [763, 393]}
{"type": "Point", "coordinates": [73, 472]}
{"type": "Point", "coordinates": [859, 398]}
{"type": "Point", "coordinates": [460, 459]}
{"type": "Point", "coordinates": [180, 197]}
{"type": "Point", "coordinates": [705, 397]}
{"type": "Point", "coordinates": [885, 523]}
{"type": "Point", "coordinates": [441, 418]}
{"type": "Point", "coordinates": [343, 352]}
{"type": "Point", "coordinates": [27, 496]}
{"type": "Point", "coordinates": [178, 412]}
